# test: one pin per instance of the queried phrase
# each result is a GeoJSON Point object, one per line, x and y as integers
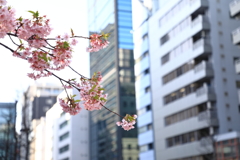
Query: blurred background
{"type": "Point", "coordinates": [174, 63]}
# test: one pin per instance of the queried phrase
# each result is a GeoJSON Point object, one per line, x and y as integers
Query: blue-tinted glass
{"type": "Point", "coordinates": [124, 14]}
{"type": "Point", "coordinates": [125, 23]}
{"type": "Point", "coordinates": [125, 46]}
{"type": "Point", "coordinates": [125, 40]}
{"type": "Point", "coordinates": [124, 7]}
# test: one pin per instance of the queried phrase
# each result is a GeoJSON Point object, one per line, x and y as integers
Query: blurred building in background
{"type": "Point", "coordinates": [8, 136]}
{"type": "Point", "coordinates": [142, 11]}
{"type": "Point", "coordinates": [36, 101]}
{"type": "Point", "coordinates": [116, 63]}
{"type": "Point", "coordinates": [193, 77]}
{"type": "Point", "coordinates": [66, 136]}
{"type": "Point", "coordinates": [227, 146]}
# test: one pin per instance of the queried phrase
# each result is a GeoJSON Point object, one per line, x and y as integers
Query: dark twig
{"type": "Point", "coordinates": [111, 111]}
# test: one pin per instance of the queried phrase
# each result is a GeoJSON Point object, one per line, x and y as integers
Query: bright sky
{"type": "Point", "coordinates": [63, 16]}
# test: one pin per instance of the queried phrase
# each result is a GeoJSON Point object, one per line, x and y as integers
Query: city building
{"type": "Point", "coordinates": [8, 136]}
{"type": "Point", "coordinates": [116, 63]}
{"type": "Point", "coordinates": [194, 83]}
{"type": "Point", "coordinates": [142, 11]}
{"type": "Point", "coordinates": [66, 136]}
{"type": "Point", "coordinates": [228, 146]}
{"type": "Point", "coordinates": [35, 102]}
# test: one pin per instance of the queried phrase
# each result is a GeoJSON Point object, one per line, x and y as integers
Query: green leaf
{"type": "Point", "coordinates": [77, 101]}
{"type": "Point", "coordinates": [72, 32]}
{"type": "Point", "coordinates": [20, 41]}
{"type": "Point", "coordinates": [74, 95]}
{"type": "Point", "coordinates": [65, 45]}
{"type": "Point", "coordinates": [31, 12]}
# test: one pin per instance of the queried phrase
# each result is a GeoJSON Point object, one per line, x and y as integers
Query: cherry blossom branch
{"type": "Point", "coordinates": [78, 73]}
{"type": "Point", "coordinates": [111, 111]}
{"type": "Point", "coordinates": [61, 79]}
{"type": "Point", "coordinates": [64, 88]}
{"type": "Point", "coordinates": [7, 47]}
{"type": "Point", "coordinates": [13, 40]}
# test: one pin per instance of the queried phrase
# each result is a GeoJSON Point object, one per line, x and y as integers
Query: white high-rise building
{"type": "Point", "coordinates": [193, 88]}
{"type": "Point", "coordinates": [67, 137]}
{"type": "Point", "coordinates": [141, 14]}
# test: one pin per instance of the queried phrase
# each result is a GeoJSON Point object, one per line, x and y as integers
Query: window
{"type": "Point", "coordinates": [64, 136]}
{"type": "Point", "coordinates": [129, 146]}
{"type": "Point", "coordinates": [165, 58]}
{"type": "Point", "coordinates": [147, 89]}
{"type": "Point", "coordinates": [63, 113]}
{"type": "Point", "coordinates": [164, 39]}
{"type": "Point", "coordinates": [64, 149]}
{"type": "Point", "coordinates": [65, 123]}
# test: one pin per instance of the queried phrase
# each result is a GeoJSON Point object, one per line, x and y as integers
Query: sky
{"type": "Point", "coordinates": [63, 16]}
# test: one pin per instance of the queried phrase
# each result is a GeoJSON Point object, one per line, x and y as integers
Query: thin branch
{"type": "Point", "coordinates": [112, 111]}
{"type": "Point", "coordinates": [13, 40]}
{"type": "Point", "coordinates": [64, 88]}
{"type": "Point", "coordinates": [78, 73]}
{"type": "Point", "coordinates": [63, 80]}
{"type": "Point", "coordinates": [7, 47]}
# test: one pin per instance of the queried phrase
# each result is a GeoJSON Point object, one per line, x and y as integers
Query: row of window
{"type": "Point", "coordinates": [183, 47]}
{"type": "Point", "coordinates": [174, 11]}
{"type": "Point", "coordinates": [177, 72]}
{"type": "Point", "coordinates": [176, 30]}
{"type": "Point", "coordinates": [181, 93]}
{"type": "Point", "coordinates": [187, 137]}
{"type": "Point", "coordinates": [228, 148]}
{"type": "Point", "coordinates": [185, 114]}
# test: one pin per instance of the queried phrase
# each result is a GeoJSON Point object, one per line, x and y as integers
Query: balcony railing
{"type": "Point", "coordinates": [236, 36]}
{"type": "Point", "coordinates": [199, 19]}
{"type": "Point", "coordinates": [206, 115]}
{"type": "Point", "coordinates": [204, 90]}
{"type": "Point", "coordinates": [201, 66]}
{"type": "Point", "coordinates": [201, 42]}
{"type": "Point", "coordinates": [234, 7]}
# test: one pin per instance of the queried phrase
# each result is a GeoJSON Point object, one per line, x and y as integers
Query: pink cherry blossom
{"type": "Point", "coordinates": [69, 106]}
{"type": "Point", "coordinates": [127, 122]}
{"type": "Point", "coordinates": [92, 93]}
{"type": "Point", "coordinates": [7, 20]}
{"type": "Point", "coordinates": [74, 42]}
{"type": "Point", "coordinates": [97, 42]}
{"type": "Point", "coordinates": [3, 2]}
{"type": "Point", "coordinates": [34, 31]}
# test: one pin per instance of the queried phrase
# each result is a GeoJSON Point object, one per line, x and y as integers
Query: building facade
{"type": "Point", "coordinates": [66, 136]}
{"type": "Point", "coordinates": [142, 11]}
{"type": "Point", "coordinates": [193, 77]}
{"type": "Point", "coordinates": [8, 136]}
{"type": "Point", "coordinates": [36, 101]}
{"type": "Point", "coordinates": [116, 63]}
{"type": "Point", "coordinates": [228, 146]}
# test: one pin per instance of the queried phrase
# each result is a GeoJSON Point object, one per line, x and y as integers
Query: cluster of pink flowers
{"type": "Point", "coordinates": [97, 42]}
{"type": "Point", "coordinates": [127, 122]}
{"type": "Point", "coordinates": [92, 93]}
{"type": "Point", "coordinates": [7, 20]}
{"type": "Point", "coordinates": [70, 106]}
{"type": "Point", "coordinates": [62, 53]}
{"type": "Point", "coordinates": [34, 32]}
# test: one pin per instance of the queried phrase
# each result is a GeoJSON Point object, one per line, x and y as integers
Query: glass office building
{"type": "Point", "coordinates": [116, 63]}
{"type": "Point", "coordinates": [8, 146]}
